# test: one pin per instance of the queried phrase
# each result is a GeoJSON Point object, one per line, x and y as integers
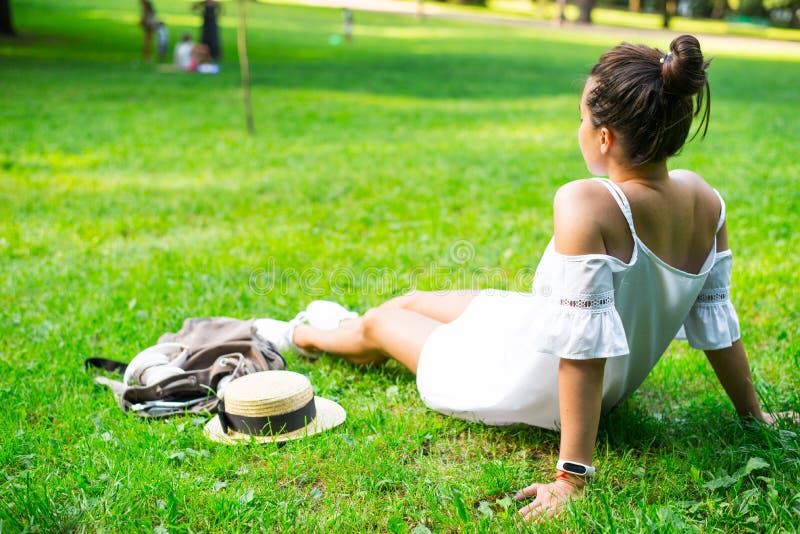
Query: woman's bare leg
{"type": "Point", "coordinates": [379, 334]}
{"type": "Point", "coordinates": [396, 329]}
{"type": "Point", "coordinates": [443, 306]}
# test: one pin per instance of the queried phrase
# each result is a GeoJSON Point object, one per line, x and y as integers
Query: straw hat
{"type": "Point", "coordinates": [272, 406]}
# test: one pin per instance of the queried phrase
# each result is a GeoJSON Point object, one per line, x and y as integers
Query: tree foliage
{"type": "Point", "coordinates": [772, 12]}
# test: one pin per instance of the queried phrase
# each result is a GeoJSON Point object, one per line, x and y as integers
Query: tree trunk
{"type": "Point", "coordinates": [6, 24]}
{"type": "Point", "coordinates": [585, 16]}
{"type": "Point", "coordinates": [720, 8]}
{"type": "Point", "coordinates": [667, 9]}
{"type": "Point", "coordinates": [635, 5]}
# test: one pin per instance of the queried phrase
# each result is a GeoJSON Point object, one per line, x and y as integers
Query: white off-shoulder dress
{"type": "Point", "coordinates": [497, 363]}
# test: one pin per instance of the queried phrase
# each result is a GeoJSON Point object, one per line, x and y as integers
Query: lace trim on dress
{"type": "Point", "coordinates": [716, 295]}
{"type": "Point", "coordinates": [600, 301]}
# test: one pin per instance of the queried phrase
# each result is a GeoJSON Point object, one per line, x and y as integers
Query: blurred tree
{"type": "Point", "coordinates": [585, 14]}
{"type": "Point", "coordinates": [783, 12]}
{"type": "Point", "coordinates": [6, 24]}
{"type": "Point", "coordinates": [752, 8]}
{"type": "Point", "coordinates": [635, 5]}
{"type": "Point", "coordinates": [720, 9]}
{"type": "Point", "coordinates": [668, 10]}
{"type": "Point", "coordinates": [562, 5]}
{"type": "Point", "coordinates": [465, 2]}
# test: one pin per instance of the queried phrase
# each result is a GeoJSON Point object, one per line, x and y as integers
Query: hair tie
{"type": "Point", "coordinates": [667, 56]}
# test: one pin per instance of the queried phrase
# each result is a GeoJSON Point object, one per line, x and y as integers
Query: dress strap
{"type": "Point", "coordinates": [722, 213]}
{"type": "Point", "coordinates": [622, 200]}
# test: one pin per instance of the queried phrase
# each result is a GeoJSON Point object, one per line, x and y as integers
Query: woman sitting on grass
{"type": "Point", "coordinates": [635, 260]}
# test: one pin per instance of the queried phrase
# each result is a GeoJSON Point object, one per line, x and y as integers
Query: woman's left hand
{"type": "Point", "coordinates": [550, 498]}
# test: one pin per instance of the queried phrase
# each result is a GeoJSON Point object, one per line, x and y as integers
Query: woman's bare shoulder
{"type": "Point", "coordinates": [697, 185]}
{"type": "Point", "coordinates": [585, 198]}
{"type": "Point", "coordinates": [692, 180]}
{"type": "Point", "coordinates": [580, 217]}
{"type": "Point", "coordinates": [587, 191]}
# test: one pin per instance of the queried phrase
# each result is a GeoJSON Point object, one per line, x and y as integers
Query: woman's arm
{"type": "Point", "coordinates": [731, 365]}
{"type": "Point", "coordinates": [579, 209]}
{"type": "Point", "coordinates": [733, 372]}
{"type": "Point", "coordinates": [580, 388]}
{"type": "Point", "coordinates": [580, 394]}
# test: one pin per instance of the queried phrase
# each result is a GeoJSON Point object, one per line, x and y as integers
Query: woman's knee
{"type": "Point", "coordinates": [370, 326]}
{"type": "Point", "coordinates": [373, 325]}
{"type": "Point", "coordinates": [368, 323]}
{"type": "Point", "coordinates": [406, 301]}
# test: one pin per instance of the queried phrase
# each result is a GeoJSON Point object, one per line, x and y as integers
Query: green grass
{"type": "Point", "coordinates": [132, 198]}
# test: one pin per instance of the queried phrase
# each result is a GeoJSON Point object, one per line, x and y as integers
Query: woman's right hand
{"type": "Point", "coordinates": [772, 418]}
{"type": "Point", "coordinates": [549, 498]}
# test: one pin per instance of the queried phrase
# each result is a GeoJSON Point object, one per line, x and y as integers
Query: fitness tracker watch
{"type": "Point", "coordinates": [576, 468]}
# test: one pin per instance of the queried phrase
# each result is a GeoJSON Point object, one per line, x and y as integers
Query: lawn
{"type": "Point", "coordinates": [132, 198]}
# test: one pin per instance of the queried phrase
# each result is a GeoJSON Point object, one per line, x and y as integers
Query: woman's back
{"type": "Point", "coordinates": [675, 218]}
{"type": "Point", "coordinates": [647, 247]}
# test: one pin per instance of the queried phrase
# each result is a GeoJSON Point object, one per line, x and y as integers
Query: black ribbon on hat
{"type": "Point", "coordinates": [269, 425]}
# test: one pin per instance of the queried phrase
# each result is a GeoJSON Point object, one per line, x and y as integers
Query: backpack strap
{"type": "Point", "coordinates": [104, 363]}
{"type": "Point", "coordinates": [116, 387]}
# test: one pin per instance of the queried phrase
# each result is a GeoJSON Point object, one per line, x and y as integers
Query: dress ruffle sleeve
{"type": "Point", "coordinates": [712, 322]}
{"type": "Point", "coordinates": [575, 300]}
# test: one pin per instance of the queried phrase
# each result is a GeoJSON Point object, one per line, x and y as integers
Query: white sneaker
{"type": "Point", "coordinates": [327, 315]}
{"type": "Point", "coordinates": [281, 334]}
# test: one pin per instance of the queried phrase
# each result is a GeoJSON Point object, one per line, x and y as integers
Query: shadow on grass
{"type": "Point", "coordinates": [441, 77]}
{"type": "Point", "coordinates": [446, 76]}
{"type": "Point", "coordinates": [289, 50]}
{"type": "Point", "coordinates": [546, 72]}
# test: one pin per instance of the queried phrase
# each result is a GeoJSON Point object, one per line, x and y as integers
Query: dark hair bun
{"type": "Point", "coordinates": [650, 98]}
{"type": "Point", "coordinates": [684, 69]}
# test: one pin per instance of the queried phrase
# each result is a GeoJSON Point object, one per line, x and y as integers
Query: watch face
{"type": "Point", "coordinates": [575, 469]}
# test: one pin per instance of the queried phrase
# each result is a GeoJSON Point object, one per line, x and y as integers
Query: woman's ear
{"type": "Point", "coordinates": [606, 140]}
